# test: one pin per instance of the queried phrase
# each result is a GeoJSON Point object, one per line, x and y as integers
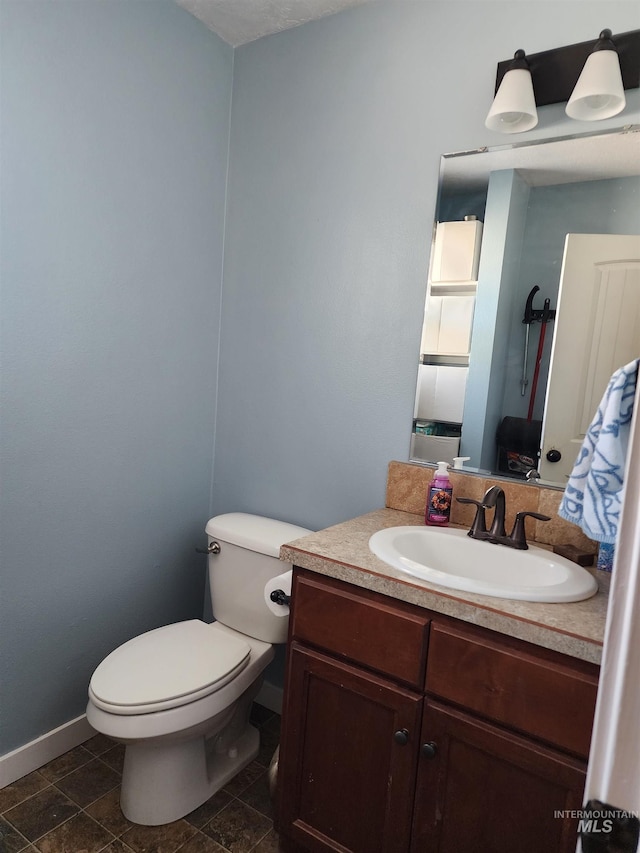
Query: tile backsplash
{"type": "Point", "coordinates": [407, 486]}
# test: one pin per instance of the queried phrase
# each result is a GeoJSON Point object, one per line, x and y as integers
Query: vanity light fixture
{"type": "Point", "coordinates": [599, 92]}
{"type": "Point", "coordinates": [590, 76]}
{"type": "Point", "coordinates": [514, 107]}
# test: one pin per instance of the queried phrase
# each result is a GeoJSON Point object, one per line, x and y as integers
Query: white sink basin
{"type": "Point", "coordinates": [450, 558]}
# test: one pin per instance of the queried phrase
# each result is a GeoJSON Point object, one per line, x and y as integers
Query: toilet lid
{"type": "Point", "coordinates": [168, 666]}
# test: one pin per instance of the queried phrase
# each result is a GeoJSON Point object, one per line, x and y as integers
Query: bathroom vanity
{"type": "Point", "coordinates": [416, 720]}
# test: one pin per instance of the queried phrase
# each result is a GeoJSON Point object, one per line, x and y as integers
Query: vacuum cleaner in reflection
{"type": "Point", "coordinates": [519, 439]}
{"type": "Point", "coordinates": [518, 446]}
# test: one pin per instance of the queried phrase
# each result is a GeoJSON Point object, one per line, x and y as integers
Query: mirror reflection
{"type": "Point", "coordinates": [533, 301]}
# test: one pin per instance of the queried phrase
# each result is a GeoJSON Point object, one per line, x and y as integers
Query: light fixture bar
{"type": "Point", "coordinates": [555, 72]}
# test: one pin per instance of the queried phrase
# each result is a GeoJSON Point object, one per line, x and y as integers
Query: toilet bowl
{"type": "Point", "coordinates": [179, 697]}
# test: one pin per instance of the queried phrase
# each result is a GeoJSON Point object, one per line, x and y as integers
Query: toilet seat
{"type": "Point", "coordinates": [168, 667]}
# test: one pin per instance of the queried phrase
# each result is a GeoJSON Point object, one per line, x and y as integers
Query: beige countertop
{"type": "Point", "coordinates": [342, 552]}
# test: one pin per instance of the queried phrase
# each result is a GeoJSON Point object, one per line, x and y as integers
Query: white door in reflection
{"type": "Point", "coordinates": [597, 331]}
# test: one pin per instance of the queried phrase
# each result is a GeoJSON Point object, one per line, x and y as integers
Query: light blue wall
{"type": "Point", "coordinates": [337, 131]}
{"type": "Point", "coordinates": [115, 124]}
{"type": "Point", "coordinates": [325, 235]}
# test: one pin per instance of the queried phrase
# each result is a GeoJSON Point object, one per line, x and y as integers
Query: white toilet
{"type": "Point", "coordinates": [179, 697]}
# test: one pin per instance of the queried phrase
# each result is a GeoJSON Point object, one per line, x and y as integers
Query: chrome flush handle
{"type": "Point", "coordinates": [213, 548]}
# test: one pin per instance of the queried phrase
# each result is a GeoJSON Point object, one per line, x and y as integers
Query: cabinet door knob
{"type": "Point", "coordinates": [401, 737]}
{"type": "Point", "coordinates": [429, 749]}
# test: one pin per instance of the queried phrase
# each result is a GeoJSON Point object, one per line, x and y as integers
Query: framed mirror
{"type": "Point", "coordinates": [500, 362]}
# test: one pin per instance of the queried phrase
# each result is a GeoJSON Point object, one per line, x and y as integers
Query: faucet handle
{"type": "Point", "coordinates": [518, 537]}
{"type": "Point", "coordinates": [479, 522]}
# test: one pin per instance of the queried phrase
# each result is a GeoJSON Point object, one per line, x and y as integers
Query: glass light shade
{"type": "Point", "coordinates": [599, 92]}
{"type": "Point", "coordinates": [514, 106]}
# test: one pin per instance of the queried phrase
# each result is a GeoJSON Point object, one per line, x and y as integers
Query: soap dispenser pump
{"type": "Point", "coordinates": [439, 498]}
{"type": "Point", "coordinates": [458, 461]}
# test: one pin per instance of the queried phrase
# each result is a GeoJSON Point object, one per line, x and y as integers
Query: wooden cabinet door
{"type": "Point", "coordinates": [491, 791]}
{"type": "Point", "coordinates": [346, 778]}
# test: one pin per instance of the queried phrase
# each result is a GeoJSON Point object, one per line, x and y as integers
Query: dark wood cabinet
{"type": "Point", "coordinates": [349, 762]}
{"type": "Point", "coordinates": [523, 687]}
{"type": "Point", "coordinates": [488, 789]}
{"type": "Point", "coordinates": [404, 731]}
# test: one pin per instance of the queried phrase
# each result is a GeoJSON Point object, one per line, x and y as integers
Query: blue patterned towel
{"type": "Point", "coordinates": [593, 496]}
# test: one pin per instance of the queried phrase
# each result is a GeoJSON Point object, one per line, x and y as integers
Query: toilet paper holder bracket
{"type": "Point", "coordinates": [279, 596]}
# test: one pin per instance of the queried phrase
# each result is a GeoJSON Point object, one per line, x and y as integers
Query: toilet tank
{"type": "Point", "coordinates": [248, 558]}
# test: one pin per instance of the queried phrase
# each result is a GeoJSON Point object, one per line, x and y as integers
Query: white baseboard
{"type": "Point", "coordinates": [14, 765]}
{"type": "Point", "coordinates": [270, 697]}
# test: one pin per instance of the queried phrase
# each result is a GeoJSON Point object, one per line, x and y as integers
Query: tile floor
{"type": "Point", "coordinates": [71, 805]}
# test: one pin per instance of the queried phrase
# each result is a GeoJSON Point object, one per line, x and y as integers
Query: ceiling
{"type": "Point", "coordinates": [242, 21]}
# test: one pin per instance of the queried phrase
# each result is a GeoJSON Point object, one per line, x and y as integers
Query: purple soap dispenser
{"type": "Point", "coordinates": [439, 498]}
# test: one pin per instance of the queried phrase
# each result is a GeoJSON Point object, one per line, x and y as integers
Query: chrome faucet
{"type": "Point", "coordinates": [494, 499]}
